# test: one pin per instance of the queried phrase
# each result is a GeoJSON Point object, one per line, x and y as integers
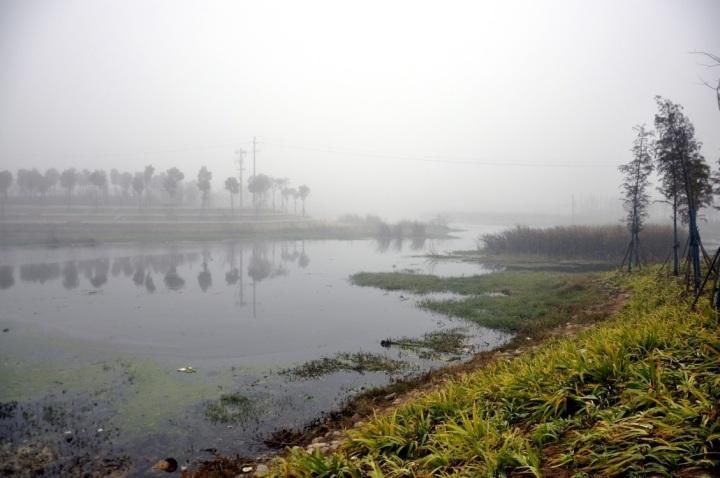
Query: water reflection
{"type": "Point", "coordinates": [149, 284]}
{"type": "Point", "coordinates": [39, 273]}
{"type": "Point", "coordinates": [204, 278]}
{"type": "Point", "coordinates": [257, 262]}
{"type": "Point", "coordinates": [172, 279]}
{"type": "Point", "coordinates": [71, 278]}
{"type": "Point", "coordinates": [7, 277]}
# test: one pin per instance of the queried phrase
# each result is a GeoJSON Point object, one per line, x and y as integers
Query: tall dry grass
{"type": "Point", "coordinates": [580, 242]}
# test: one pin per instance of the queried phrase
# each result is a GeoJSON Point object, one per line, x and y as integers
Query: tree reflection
{"type": "Point", "coordinates": [172, 279]}
{"type": "Point", "coordinates": [259, 269]}
{"type": "Point", "coordinates": [122, 265]}
{"type": "Point", "coordinates": [7, 277]}
{"type": "Point", "coordinates": [149, 284]}
{"type": "Point", "coordinates": [40, 273]}
{"type": "Point", "coordinates": [204, 278]}
{"type": "Point", "coordinates": [139, 276]}
{"type": "Point", "coordinates": [303, 259]}
{"type": "Point", "coordinates": [232, 276]}
{"type": "Point", "coordinates": [71, 277]}
{"type": "Point", "coordinates": [101, 267]}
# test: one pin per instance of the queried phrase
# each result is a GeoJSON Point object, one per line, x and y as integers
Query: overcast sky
{"type": "Point", "coordinates": [399, 108]}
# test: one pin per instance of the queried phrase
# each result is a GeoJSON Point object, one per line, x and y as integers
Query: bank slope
{"type": "Point", "coordinates": [636, 395]}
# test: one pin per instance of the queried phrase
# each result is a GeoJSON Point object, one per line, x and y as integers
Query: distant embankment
{"type": "Point", "coordinates": [606, 243]}
{"type": "Point", "coordinates": [58, 226]}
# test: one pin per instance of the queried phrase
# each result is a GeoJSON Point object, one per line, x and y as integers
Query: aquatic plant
{"type": "Point", "coordinates": [359, 362]}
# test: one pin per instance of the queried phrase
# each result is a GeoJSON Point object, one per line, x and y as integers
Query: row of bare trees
{"type": "Point", "coordinates": [144, 187]}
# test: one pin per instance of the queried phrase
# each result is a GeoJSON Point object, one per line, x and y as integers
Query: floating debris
{"type": "Point", "coordinates": [168, 465]}
{"type": "Point", "coordinates": [187, 369]}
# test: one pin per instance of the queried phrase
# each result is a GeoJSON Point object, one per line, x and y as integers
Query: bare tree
{"type": "Point", "coordinates": [714, 63]}
{"type": "Point", "coordinates": [634, 189]}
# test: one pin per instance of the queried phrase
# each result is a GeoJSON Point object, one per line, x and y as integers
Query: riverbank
{"type": "Point", "coordinates": [594, 299]}
{"type": "Point", "coordinates": [58, 226]}
{"type": "Point", "coordinates": [636, 394]}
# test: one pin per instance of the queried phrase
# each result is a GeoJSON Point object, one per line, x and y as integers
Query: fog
{"type": "Point", "coordinates": [399, 108]}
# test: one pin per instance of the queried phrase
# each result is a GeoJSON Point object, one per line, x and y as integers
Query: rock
{"type": "Point", "coordinates": [317, 440]}
{"type": "Point", "coordinates": [390, 396]}
{"type": "Point", "coordinates": [168, 465]}
{"type": "Point", "coordinates": [246, 469]}
{"type": "Point", "coordinates": [261, 470]}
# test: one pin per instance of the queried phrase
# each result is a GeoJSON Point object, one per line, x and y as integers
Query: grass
{"type": "Point", "coordinates": [606, 243]}
{"type": "Point", "coordinates": [432, 344]}
{"type": "Point", "coordinates": [637, 395]}
{"type": "Point", "coordinates": [359, 362]}
{"type": "Point", "coordinates": [526, 300]}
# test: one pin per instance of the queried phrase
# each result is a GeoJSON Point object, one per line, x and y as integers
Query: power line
{"type": "Point", "coordinates": [435, 159]}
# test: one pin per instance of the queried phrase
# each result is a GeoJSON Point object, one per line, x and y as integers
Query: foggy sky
{"type": "Point", "coordinates": [517, 104]}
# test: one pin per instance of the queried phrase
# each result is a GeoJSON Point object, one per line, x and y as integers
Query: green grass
{"type": "Point", "coordinates": [637, 395]}
{"type": "Point", "coordinates": [529, 300]}
{"type": "Point", "coordinates": [432, 344]}
{"type": "Point", "coordinates": [359, 362]}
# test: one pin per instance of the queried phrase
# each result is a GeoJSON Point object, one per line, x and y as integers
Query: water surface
{"type": "Point", "coordinates": [93, 338]}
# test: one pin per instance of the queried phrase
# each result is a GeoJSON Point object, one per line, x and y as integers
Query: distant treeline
{"type": "Point", "coordinates": [144, 188]}
{"type": "Point", "coordinates": [585, 242]}
{"type": "Point", "coordinates": [382, 229]}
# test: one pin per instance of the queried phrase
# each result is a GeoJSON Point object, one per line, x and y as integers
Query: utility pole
{"type": "Point", "coordinates": [254, 170]}
{"type": "Point", "coordinates": [254, 152]}
{"type": "Point", "coordinates": [241, 167]}
{"type": "Point", "coordinates": [572, 209]}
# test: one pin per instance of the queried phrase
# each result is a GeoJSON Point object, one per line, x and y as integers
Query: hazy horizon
{"type": "Point", "coordinates": [401, 108]}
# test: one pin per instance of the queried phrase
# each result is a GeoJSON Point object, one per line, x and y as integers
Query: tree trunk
{"type": "Point", "coordinates": [676, 270]}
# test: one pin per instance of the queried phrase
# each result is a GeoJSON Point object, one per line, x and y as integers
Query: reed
{"type": "Point", "coordinates": [606, 243]}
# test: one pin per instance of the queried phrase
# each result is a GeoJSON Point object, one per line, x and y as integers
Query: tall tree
{"type": "Point", "coordinates": [636, 175]}
{"type": "Point", "coordinates": [233, 187]}
{"type": "Point", "coordinates": [6, 180]}
{"type": "Point", "coordinates": [138, 185]}
{"type": "Point", "coordinates": [147, 177]}
{"type": "Point", "coordinates": [68, 181]}
{"type": "Point", "coordinates": [115, 179]}
{"type": "Point", "coordinates": [203, 183]}
{"type": "Point", "coordinates": [172, 179]}
{"type": "Point", "coordinates": [51, 179]}
{"type": "Point", "coordinates": [684, 176]}
{"type": "Point", "coordinates": [98, 178]}
{"type": "Point", "coordinates": [278, 184]}
{"type": "Point", "coordinates": [259, 186]}
{"type": "Point", "coordinates": [714, 62]}
{"type": "Point", "coordinates": [303, 192]}
{"type": "Point", "coordinates": [285, 194]}
{"type": "Point", "coordinates": [125, 182]}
